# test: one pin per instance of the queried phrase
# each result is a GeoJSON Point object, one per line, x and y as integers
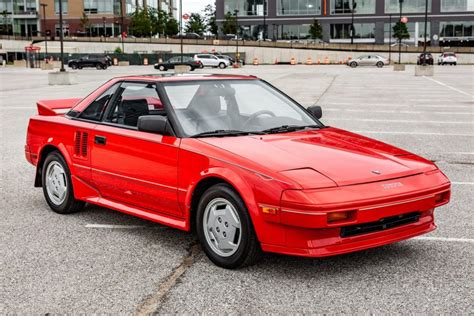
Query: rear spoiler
{"type": "Point", "coordinates": [55, 107]}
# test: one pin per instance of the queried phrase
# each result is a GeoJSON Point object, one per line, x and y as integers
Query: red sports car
{"type": "Point", "coordinates": [236, 160]}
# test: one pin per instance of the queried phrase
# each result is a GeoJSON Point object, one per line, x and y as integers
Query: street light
{"type": "Point", "coordinates": [399, 37]}
{"type": "Point", "coordinates": [389, 38]}
{"type": "Point", "coordinates": [426, 29]}
{"type": "Point", "coordinates": [104, 19]}
{"type": "Point", "coordinates": [61, 34]}
{"type": "Point", "coordinates": [264, 19]}
{"type": "Point", "coordinates": [237, 56]}
{"type": "Point", "coordinates": [44, 5]}
{"type": "Point", "coordinates": [181, 27]}
{"type": "Point", "coordinates": [354, 6]}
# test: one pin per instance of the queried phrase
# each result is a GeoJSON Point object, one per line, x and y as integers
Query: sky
{"type": "Point", "coordinates": [192, 6]}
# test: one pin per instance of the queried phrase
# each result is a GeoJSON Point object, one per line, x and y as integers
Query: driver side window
{"type": "Point", "coordinates": [95, 110]}
{"type": "Point", "coordinates": [135, 99]}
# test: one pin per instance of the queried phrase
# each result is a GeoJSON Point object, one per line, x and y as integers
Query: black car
{"type": "Point", "coordinates": [173, 61]}
{"type": "Point", "coordinates": [97, 61]}
{"type": "Point", "coordinates": [188, 36]}
{"type": "Point", "coordinates": [425, 58]}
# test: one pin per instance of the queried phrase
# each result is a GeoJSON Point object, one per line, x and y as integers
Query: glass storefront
{"type": "Point", "coordinates": [456, 29]}
{"type": "Point", "coordinates": [409, 6]}
{"type": "Point", "coordinates": [457, 5]}
{"type": "Point", "coordinates": [98, 6]}
{"type": "Point", "coordinates": [361, 30]}
{"type": "Point", "coordinates": [298, 7]}
{"type": "Point", "coordinates": [360, 6]}
{"type": "Point", "coordinates": [416, 30]}
{"type": "Point", "coordinates": [293, 32]}
{"type": "Point", "coordinates": [245, 7]}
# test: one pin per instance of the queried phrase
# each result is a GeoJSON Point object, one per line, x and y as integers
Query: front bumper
{"type": "Point", "coordinates": [309, 232]}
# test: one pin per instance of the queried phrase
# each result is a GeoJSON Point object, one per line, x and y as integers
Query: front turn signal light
{"type": "Point", "coordinates": [338, 216]}
{"type": "Point", "coordinates": [269, 210]}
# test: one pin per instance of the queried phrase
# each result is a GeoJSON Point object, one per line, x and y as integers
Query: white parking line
{"type": "Point", "coordinates": [449, 87]}
{"type": "Point", "coordinates": [413, 133]}
{"type": "Point", "coordinates": [446, 239]}
{"type": "Point", "coordinates": [399, 121]}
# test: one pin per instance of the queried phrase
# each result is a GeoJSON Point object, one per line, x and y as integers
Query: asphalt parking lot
{"type": "Point", "coordinates": [101, 261]}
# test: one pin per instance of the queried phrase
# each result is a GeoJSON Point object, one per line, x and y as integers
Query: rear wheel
{"type": "Point", "coordinates": [379, 64]}
{"type": "Point", "coordinates": [57, 185]}
{"type": "Point", "coordinates": [162, 68]}
{"type": "Point", "coordinates": [98, 66]}
{"type": "Point", "coordinates": [225, 229]}
{"type": "Point", "coordinates": [74, 66]}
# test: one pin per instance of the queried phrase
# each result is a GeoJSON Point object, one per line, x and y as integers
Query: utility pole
{"type": "Point", "coordinates": [400, 38]}
{"type": "Point", "coordinates": [264, 19]}
{"type": "Point", "coordinates": [390, 38]}
{"type": "Point", "coordinates": [426, 30]}
{"type": "Point", "coordinates": [121, 26]}
{"type": "Point", "coordinates": [237, 55]}
{"type": "Point", "coordinates": [44, 5]}
{"type": "Point", "coordinates": [61, 34]}
{"type": "Point", "coordinates": [103, 25]}
{"type": "Point", "coordinates": [181, 27]}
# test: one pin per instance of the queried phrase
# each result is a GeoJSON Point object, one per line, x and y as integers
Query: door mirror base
{"type": "Point", "coordinates": [316, 111]}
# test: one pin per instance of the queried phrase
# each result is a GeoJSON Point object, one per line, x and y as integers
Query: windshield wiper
{"type": "Point", "coordinates": [224, 132]}
{"type": "Point", "coordinates": [289, 128]}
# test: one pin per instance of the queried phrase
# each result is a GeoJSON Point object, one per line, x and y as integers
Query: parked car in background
{"type": "Point", "coordinates": [447, 58]}
{"type": "Point", "coordinates": [176, 60]}
{"type": "Point", "coordinates": [209, 60]}
{"type": "Point", "coordinates": [230, 59]}
{"type": "Point", "coordinates": [188, 36]}
{"type": "Point", "coordinates": [97, 61]}
{"type": "Point", "coordinates": [425, 58]}
{"type": "Point", "coordinates": [368, 60]}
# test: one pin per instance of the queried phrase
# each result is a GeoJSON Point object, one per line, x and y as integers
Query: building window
{"type": "Point", "coordinates": [457, 5]}
{"type": "Point", "coordinates": [409, 6]}
{"type": "Point", "coordinates": [345, 6]}
{"type": "Point", "coordinates": [64, 5]}
{"type": "Point", "coordinates": [6, 6]}
{"type": "Point", "coordinates": [416, 29]}
{"type": "Point", "coordinates": [293, 32]}
{"type": "Point", "coordinates": [299, 7]}
{"type": "Point", "coordinates": [131, 6]}
{"type": "Point", "coordinates": [456, 29]}
{"type": "Point", "coordinates": [98, 6]}
{"type": "Point", "coordinates": [65, 30]}
{"type": "Point", "coordinates": [361, 30]}
{"type": "Point", "coordinates": [245, 7]}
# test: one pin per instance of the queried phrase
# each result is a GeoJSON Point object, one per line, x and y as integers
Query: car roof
{"type": "Point", "coordinates": [184, 77]}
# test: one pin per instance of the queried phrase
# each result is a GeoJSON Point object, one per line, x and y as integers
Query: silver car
{"type": "Point", "coordinates": [209, 60]}
{"type": "Point", "coordinates": [368, 60]}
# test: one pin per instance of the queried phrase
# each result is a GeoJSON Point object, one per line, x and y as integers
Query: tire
{"type": "Point", "coordinates": [222, 66]}
{"type": "Point", "coordinates": [190, 68]}
{"type": "Point", "coordinates": [74, 66]}
{"type": "Point", "coordinates": [79, 67]}
{"type": "Point", "coordinates": [353, 64]}
{"type": "Point", "coordinates": [56, 175]}
{"type": "Point", "coordinates": [379, 64]}
{"type": "Point", "coordinates": [455, 64]}
{"type": "Point", "coordinates": [104, 66]}
{"type": "Point", "coordinates": [162, 68]}
{"type": "Point", "coordinates": [98, 66]}
{"type": "Point", "coordinates": [244, 247]}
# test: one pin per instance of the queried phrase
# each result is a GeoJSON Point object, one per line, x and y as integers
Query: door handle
{"type": "Point", "coordinates": [100, 140]}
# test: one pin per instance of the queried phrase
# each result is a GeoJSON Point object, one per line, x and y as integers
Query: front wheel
{"type": "Point", "coordinates": [74, 66]}
{"type": "Point", "coordinates": [379, 64]}
{"type": "Point", "coordinates": [353, 64]}
{"type": "Point", "coordinates": [98, 66]}
{"type": "Point", "coordinates": [225, 229]}
{"type": "Point", "coordinates": [162, 68]}
{"type": "Point", "coordinates": [57, 185]}
{"type": "Point", "coordinates": [222, 66]}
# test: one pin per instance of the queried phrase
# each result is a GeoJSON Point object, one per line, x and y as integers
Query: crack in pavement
{"type": "Point", "coordinates": [326, 90]}
{"type": "Point", "coordinates": [152, 303]}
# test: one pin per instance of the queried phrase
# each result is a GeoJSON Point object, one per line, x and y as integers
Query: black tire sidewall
{"type": "Point", "coordinates": [379, 64]}
{"type": "Point", "coordinates": [226, 192]}
{"type": "Point", "coordinates": [69, 200]}
{"type": "Point", "coordinates": [353, 65]}
{"type": "Point", "coordinates": [161, 68]}
{"type": "Point", "coordinates": [222, 66]}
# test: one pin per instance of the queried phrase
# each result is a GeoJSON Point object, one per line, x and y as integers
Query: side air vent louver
{"type": "Point", "coordinates": [81, 144]}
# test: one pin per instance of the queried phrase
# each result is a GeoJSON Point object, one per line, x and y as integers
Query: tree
{"type": "Point", "coordinates": [172, 27]}
{"type": "Point", "coordinates": [85, 24]}
{"type": "Point", "coordinates": [196, 24]}
{"type": "Point", "coordinates": [316, 30]}
{"type": "Point", "coordinates": [229, 25]}
{"type": "Point", "coordinates": [400, 31]}
{"type": "Point", "coordinates": [140, 23]}
{"type": "Point", "coordinates": [158, 19]}
{"type": "Point", "coordinates": [210, 15]}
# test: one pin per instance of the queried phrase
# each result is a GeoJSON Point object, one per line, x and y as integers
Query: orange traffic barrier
{"type": "Point", "coordinates": [145, 61]}
{"type": "Point", "coordinates": [293, 61]}
{"type": "Point", "coordinates": [276, 61]}
{"type": "Point", "coordinates": [255, 61]}
{"type": "Point", "coordinates": [160, 60]}
{"type": "Point", "coordinates": [326, 60]}
{"type": "Point", "coordinates": [319, 61]}
{"type": "Point", "coordinates": [309, 61]}
{"type": "Point", "coordinates": [115, 61]}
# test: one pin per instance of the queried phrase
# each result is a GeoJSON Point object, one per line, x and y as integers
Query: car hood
{"type": "Point", "coordinates": [343, 157]}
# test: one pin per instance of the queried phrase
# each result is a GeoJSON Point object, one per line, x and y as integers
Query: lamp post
{"type": "Point", "coordinates": [181, 27]}
{"type": "Point", "coordinates": [104, 19]}
{"type": "Point", "coordinates": [237, 56]}
{"type": "Point", "coordinates": [264, 19]}
{"type": "Point", "coordinates": [426, 29]}
{"type": "Point", "coordinates": [61, 35]}
{"type": "Point", "coordinates": [44, 5]}
{"type": "Point", "coordinates": [400, 38]}
{"type": "Point", "coordinates": [390, 38]}
{"type": "Point", "coordinates": [354, 6]}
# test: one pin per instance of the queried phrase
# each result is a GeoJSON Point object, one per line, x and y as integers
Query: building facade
{"type": "Point", "coordinates": [450, 22]}
{"type": "Point", "coordinates": [102, 17]}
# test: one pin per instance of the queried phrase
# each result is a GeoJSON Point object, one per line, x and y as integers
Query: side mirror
{"type": "Point", "coordinates": [316, 111]}
{"type": "Point", "coordinates": [154, 124]}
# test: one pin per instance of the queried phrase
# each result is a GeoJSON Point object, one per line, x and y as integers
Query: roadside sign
{"type": "Point", "coordinates": [186, 16]}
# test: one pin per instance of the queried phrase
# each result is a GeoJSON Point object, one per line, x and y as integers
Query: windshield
{"type": "Point", "coordinates": [233, 105]}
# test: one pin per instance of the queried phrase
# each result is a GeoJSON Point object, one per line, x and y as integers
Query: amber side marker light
{"type": "Point", "coordinates": [269, 210]}
{"type": "Point", "coordinates": [338, 216]}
